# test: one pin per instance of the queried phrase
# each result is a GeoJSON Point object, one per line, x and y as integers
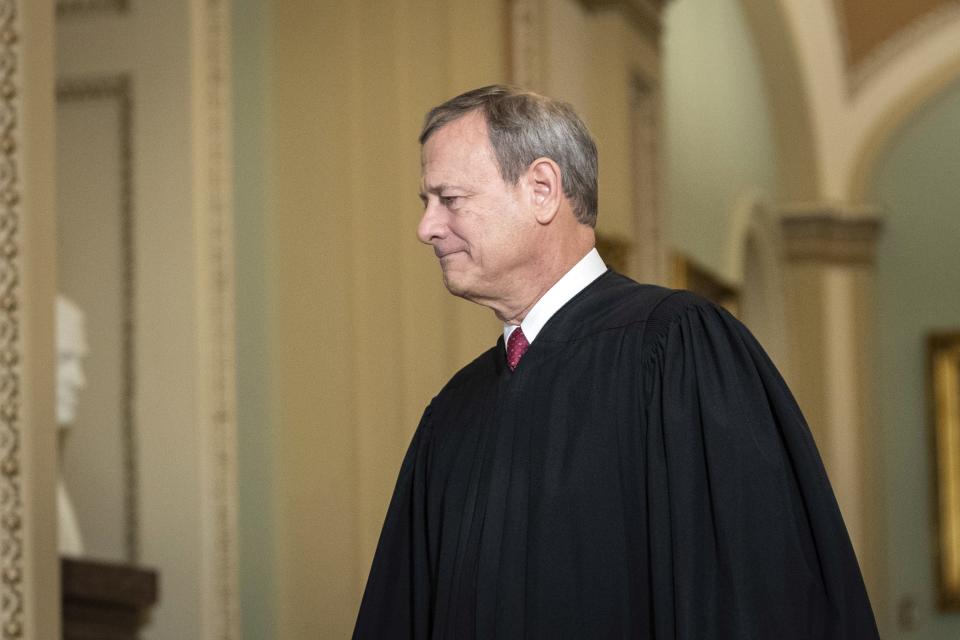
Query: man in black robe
{"type": "Point", "coordinates": [626, 462]}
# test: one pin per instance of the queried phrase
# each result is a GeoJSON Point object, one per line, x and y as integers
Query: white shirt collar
{"type": "Point", "coordinates": [589, 268]}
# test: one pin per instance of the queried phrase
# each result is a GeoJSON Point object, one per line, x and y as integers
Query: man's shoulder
{"type": "Point", "coordinates": [649, 311]}
{"type": "Point", "coordinates": [677, 303]}
{"type": "Point", "coordinates": [619, 300]}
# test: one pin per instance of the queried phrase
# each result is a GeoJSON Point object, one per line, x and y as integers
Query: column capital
{"type": "Point", "coordinates": [830, 233]}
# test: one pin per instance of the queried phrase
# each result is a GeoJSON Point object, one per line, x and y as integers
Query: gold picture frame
{"type": "Point", "coordinates": [943, 353]}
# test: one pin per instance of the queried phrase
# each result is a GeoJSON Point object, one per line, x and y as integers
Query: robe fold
{"type": "Point", "coordinates": [644, 473]}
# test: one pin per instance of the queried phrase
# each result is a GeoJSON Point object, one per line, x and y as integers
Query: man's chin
{"type": "Point", "coordinates": [458, 286]}
{"type": "Point", "coordinates": [454, 285]}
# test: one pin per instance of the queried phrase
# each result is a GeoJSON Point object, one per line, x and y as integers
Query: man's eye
{"type": "Point", "coordinates": [449, 201]}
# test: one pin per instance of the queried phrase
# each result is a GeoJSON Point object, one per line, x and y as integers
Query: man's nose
{"type": "Point", "coordinates": [431, 224]}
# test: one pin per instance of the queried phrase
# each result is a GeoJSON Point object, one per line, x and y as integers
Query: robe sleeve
{"type": "Point", "coordinates": [396, 601]}
{"type": "Point", "coordinates": [746, 539]}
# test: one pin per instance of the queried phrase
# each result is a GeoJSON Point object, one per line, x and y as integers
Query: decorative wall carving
{"type": "Point", "coordinates": [11, 496]}
{"type": "Point", "coordinates": [218, 218]}
{"type": "Point", "coordinates": [118, 88]}
{"type": "Point", "coordinates": [827, 235]}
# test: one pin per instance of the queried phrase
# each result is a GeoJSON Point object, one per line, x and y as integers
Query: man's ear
{"type": "Point", "coordinates": [546, 185]}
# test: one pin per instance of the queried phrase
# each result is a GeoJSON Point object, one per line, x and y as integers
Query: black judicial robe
{"type": "Point", "coordinates": [644, 473]}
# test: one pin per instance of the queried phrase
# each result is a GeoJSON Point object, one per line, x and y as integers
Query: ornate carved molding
{"type": "Point", "coordinates": [78, 7]}
{"type": "Point", "coordinates": [118, 88]}
{"type": "Point", "coordinates": [11, 488]}
{"type": "Point", "coordinates": [645, 15]}
{"type": "Point", "coordinates": [829, 234]}
{"type": "Point", "coordinates": [217, 216]}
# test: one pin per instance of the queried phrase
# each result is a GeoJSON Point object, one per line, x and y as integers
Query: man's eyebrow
{"type": "Point", "coordinates": [436, 189]}
{"type": "Point", "coordinates": [439, 188]}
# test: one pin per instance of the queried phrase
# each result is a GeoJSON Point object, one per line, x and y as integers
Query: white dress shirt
{"type": "Point", "coordinates": [589, 268]}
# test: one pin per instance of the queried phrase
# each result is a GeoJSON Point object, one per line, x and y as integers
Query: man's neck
{"type": "Point", "coordinates": [544, 275]}
{"type": "Point", "coordinates": [579, 277]}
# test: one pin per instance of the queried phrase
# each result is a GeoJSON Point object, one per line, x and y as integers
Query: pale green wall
{"type": "Point", "coordinates": [718, 143]}
{"type": "Point", "coordinates": [917, 182]}
{"type": "Point", "coordinates": [256, 422]}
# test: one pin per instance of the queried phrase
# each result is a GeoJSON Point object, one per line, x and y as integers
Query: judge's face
{"type": "Point", "coordinates": [478, 225]}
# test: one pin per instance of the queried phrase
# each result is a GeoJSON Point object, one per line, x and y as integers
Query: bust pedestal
{"type": "Point", "coordinates": [105, 601]}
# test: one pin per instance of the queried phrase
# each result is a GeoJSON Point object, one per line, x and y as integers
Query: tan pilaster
{"type": "Point", "coordinates": [828, 253]}
{"type": "Point", "coordinates": [29, 588]}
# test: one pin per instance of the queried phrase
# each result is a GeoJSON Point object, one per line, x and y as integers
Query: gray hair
{"type": "Point", "coordinates": [524, 126]}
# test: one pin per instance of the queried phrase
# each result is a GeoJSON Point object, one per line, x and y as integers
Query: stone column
{"type": "Point", "coordinates": [829, 272]}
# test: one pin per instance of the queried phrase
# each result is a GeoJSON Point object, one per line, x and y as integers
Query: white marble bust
{"type": "Point", "coordinates": [71, 350]}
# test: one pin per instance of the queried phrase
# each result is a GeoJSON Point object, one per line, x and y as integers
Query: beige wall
{"type": "Point", "coordinates": [361, 305]}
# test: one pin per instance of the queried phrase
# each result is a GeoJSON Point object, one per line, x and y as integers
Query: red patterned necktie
{"type": "Point", "coordinates": [516, 346]}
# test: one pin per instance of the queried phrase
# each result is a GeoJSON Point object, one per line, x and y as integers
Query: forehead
{"type": "Point", "coordinates": [459, 150]}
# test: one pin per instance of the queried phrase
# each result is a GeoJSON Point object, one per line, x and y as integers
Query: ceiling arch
{"type": "Point", "coordinates": [866, 28]}
{"type": "Point", "coordinates": [850, 122]}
